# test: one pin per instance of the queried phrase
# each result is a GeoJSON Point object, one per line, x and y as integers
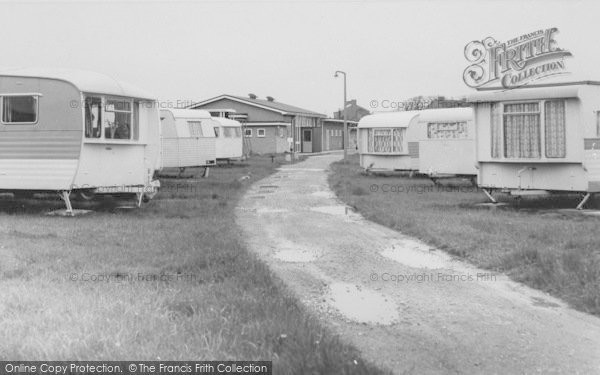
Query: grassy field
{"type": "Point", "coordinates": [170, 281]}
{"type": "Point", "coordinates": [556, 251]}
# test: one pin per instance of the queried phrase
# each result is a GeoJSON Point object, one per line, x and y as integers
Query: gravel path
{"type": "Point", "coordinates": [407, 307]}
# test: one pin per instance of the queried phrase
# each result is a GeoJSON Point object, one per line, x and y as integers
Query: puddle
{"type": "Point", "coordinates": [271, 210]}
{"type": "Point", "coordinates": [543, 303]}
{"type": "Point", "coordinates": [258, 196]}
{"type": "Point", "coordinates": [295, 256]}
{"type": "Point", "coordinates": [301, 169]}
{"type": "Point", "coordinates": [268, 187]}
{"type": "Point", "coordinates": [247, 209]}
{"type": "Point", "coordinates": [323, 194]}
{"type": "Point", "coordinates": [362, 305]}
{"type": "Point", "coordinates": [333, 210]}
{"type": "Point", "coordinates": [416, 255]}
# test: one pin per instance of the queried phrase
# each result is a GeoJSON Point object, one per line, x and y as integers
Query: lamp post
{"type": "Point", "coordinates": [345, 141]}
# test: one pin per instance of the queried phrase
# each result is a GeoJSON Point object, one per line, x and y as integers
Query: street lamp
{"type": "Point", "coordinates": [344, 109]}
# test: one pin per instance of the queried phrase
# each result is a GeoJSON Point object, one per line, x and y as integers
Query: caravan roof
{"type": "Point", "coordinates": [446, 115]}
{"type": "Point", "coordinates": [533, 93]}
{"type": "Point", "coordinates": [388, 119]}
{"type": "Point", "coordinates": [85, 81]}
{"type": "Point", "coordinates": [227, 122]}
{"type": "Point", "coordinates": [188, 113]}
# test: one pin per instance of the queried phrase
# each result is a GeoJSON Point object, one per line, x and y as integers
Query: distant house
{"type": "Point", "coordinates": [268, 124]}
{"type": "Point", "coordinates": [354, 112]}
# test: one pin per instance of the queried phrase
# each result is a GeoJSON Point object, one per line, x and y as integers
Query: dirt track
{"type": "Point", "coordinates": [406, 306]}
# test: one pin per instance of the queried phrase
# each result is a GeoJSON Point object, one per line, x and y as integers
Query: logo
{"type": "Point", "coordinates": [515, 63]}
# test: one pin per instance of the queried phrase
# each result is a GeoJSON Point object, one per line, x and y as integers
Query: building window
{"type": "Point", "coordinates": [93, 117]}
{"type": "Point", "coordinates": [118, 119]}
{"type": "Point", "coordinates": [447, 130]}
{"type": "Point", "coordinates": [19, 109]}
{"type": "Point", "coordinates": [555, 137]}
{"type": "Point", "coordinates": [260, 133]}
{"type": "Point", "coordinates": [195, 128]}
{"type": "Point", "coordinates": [248, 133]}
{"type": "Point", "coordinates": [522, 130]}
{"type": "Point", "coordinates": [280, 132]}
{"type": "Point", "coordinates": [383, 140]}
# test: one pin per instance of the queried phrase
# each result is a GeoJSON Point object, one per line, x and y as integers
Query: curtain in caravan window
{"type": "Point", "coordinates": [398, 139]}
{"type": "Point", "coordinates": [496, 126]}
{"type": "Point", "coordinates": [382, 140]}
{"type": "Point", "coordinates": [195, 128]}
{"type": "Point", "coordinates": [522, 130]}
{"type": "Point", "coordinates": [370, 140]}
{"type": "Point", "coordinates": [554, 118]}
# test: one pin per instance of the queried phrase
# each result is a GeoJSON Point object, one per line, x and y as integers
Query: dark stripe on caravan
{"type": "Point", "coordinates": [40, 144]}
{"type": "Point", "coordinates": [591, 144]}
{"type": "Point", "coordinates": [413, 149]}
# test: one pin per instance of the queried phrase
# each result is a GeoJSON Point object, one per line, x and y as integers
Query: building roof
{"type": "Point", "coordinates": [388, 119]}
{"type": "Point", "coordinates": [85, 81]}
{"type": "Point", "coordinates": [282, 108]}
{"type": "Point", "coordinates": [187, 113]}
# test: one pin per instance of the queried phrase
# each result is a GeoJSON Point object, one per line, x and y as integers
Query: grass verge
{"type": "Point", "coordinates": [552, 250]}
{"type": "Point", "coordinates": [170, 281]}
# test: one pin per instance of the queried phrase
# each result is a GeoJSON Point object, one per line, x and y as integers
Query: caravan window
{"type": "Point", "coordinates": [554, 119]}
{"type": "Point", "coordinates": [19, 109]}
{"type": "Point", "coordinates": [447, 130]}
{"type": "Point", "coordinates": [229, 131]}
{"type": "Point", "coordinates": [238, 132]}
{"type": "Point", "coordinates": [522, 130]}
{"type": "Point", "coordinates": [118, 119]}
{"type": "Point", "coordinates": [93, 117]}
{"type": "Point", "coordinates": [195, 128]}
{"type": "Point", "coordinates": [217, 131]}
{"type": "Point", "coordinates": [384, 140]}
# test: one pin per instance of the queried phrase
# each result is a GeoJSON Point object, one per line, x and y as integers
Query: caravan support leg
{"type": "Point", "coordinates": [65, 197]}
{"type": "Point", "coordinates": [583, 201]}
{"type": "Point", "coordinates": [489, 195]}
{"type": "Point", "coordinates": [206, 170]}
{"type": "Point", "coordinates": [140, 198]}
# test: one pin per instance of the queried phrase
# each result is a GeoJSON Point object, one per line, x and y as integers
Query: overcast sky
{"type": "Point", "coordinates": [184, 51]}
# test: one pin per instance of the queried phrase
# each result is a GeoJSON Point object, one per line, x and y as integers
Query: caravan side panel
{"type": "Point", "coordinates": [44, 155]}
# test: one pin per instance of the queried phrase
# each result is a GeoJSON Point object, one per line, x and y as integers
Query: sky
{"type": "Point", "coordinates": [184, 51]}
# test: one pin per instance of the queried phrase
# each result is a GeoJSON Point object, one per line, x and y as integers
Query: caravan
{"type": "Point", "coordinates": [188, 139]}
{"type": "Point", "coordinates": [74, 131]}
{"type": "Point", "coordinates": [539, 139]}
{"type": "Point", "coordinates": [389, 141]}
{"type": "Point", "coordinates": [447, 143]}
{"type": "Point", "coordinates": [229, 141]}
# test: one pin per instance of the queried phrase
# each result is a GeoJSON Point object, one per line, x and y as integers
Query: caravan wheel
{"type": "Point", "coordinates": [86, 195]}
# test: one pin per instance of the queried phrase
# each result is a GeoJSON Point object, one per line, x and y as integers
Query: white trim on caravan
{"type": "Point", "coordinates": [80, 131]}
